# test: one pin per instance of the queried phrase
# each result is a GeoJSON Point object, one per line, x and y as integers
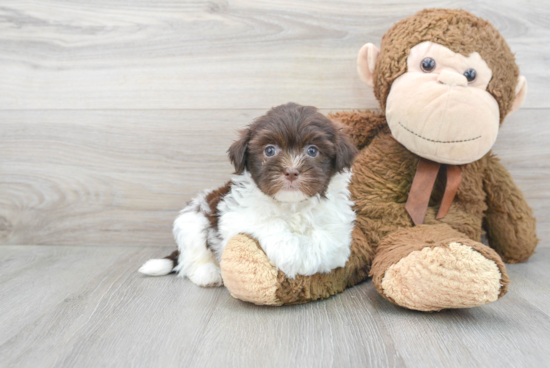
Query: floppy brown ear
{"type": "Point", "coordinates": [345, 151]}
{"type": "Point", "coordinates": [238, 151]}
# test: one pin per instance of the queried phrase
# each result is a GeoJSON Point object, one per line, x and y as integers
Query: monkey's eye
{"type": "Point", "coordinates": [312, 151]}
{"type": "Point", "coordinates": [427, 65]}
{"type": "Point", "coordinates": [270, 151]}
{"type": "Point", "coordinates": [470, 75]}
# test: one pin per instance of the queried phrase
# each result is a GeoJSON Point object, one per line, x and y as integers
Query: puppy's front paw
{"type": "Point", "coordinates": [206, 275]}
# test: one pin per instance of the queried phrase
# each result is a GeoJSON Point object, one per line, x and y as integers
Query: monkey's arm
{"type": "Point", "coordinates": [250, 276]}
{"type": "Point", "coordinates": [362, 126]}
{"type": "Point", "coordinates": [509, 220]}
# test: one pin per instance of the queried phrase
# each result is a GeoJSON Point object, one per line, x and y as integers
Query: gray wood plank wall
{"type": "Point", "coordinates": [114, 113]}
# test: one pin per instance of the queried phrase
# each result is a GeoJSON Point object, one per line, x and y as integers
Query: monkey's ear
{"type": "Point", "coordinates": [345, 151]}
{"type": "Point", "coordinates": [238, 151]}
{"type": "Point", "coordinates": [366, 62]}
{"type": "Point", "coordinates": [521, 91]}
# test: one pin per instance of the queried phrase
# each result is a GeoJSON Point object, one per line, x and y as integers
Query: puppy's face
{"type": "Point", "coordinates": [292, 152]}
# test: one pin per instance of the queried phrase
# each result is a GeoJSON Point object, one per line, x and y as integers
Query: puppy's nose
{"type": "Point", "coordinates": [291, 174]}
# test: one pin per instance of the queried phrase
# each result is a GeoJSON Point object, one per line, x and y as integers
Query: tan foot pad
{"type": "Point", "coordinates": [442, 277]}
{"type": "Point", "coordinates": [247, 272]}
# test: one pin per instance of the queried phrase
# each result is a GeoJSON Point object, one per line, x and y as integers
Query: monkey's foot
{"type": "Point", "coordinates": [247, 272]}
{"type": "Point", "coordinates": [441, 277]}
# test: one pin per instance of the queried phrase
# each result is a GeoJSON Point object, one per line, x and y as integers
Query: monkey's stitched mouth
{"type": "Point", "coordinates": [433, 140]}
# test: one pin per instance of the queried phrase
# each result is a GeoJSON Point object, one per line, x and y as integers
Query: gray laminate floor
{"type": "Point", "coordinates": [64, 306]}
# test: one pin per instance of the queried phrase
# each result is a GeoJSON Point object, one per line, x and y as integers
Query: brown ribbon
{"type": "Point", "coordinates": [422, 186]}
{"type": "Point", "coordinates": [454, 177]}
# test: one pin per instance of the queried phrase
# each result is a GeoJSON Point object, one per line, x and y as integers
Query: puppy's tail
{"type": "Point", "coordinates": [160, 267]}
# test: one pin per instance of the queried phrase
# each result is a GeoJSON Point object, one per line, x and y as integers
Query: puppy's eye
{"type": "Point", "coordinates": [470, 75]}
{"type": "Point", "coordinates": [270, 151]}
{"type": "Point", "coordinates": [427, 65]}
{"type": "Point", "coordinates": [312, 151]}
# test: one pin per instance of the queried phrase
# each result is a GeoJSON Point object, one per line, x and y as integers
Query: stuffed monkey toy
{"type": "Point", "coordinates": [425, 185]}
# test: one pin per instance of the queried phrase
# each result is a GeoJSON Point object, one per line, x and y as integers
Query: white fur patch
{"type": "Point", "coordinates": [157, 267]}
{"type": "Point", "coordinates": [191, 232]}
{"type": "Point", "coordinates": [300, 238]}
{"type": "Point", "coordinates": [290, 196]}
{"type": "Point", "coordinates": [300, 235]}
{"type": "Point", "coordinates": [206, 275]}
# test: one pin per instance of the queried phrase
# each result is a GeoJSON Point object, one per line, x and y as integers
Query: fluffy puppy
{"type": "Point", "coordinates": [289, 191]}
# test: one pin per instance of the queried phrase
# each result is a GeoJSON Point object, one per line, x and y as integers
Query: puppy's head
{"type": "Point", "coordinates": [292, 152]}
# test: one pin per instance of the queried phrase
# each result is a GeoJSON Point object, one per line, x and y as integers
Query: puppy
{"type": "Point", "coordinates": [289, 191]}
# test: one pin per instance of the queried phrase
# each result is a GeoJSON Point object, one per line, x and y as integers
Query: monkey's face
{"type": "Point", "coordinates": [440, 108]}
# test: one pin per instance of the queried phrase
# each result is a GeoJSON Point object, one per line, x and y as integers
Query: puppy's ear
{"type": "Point", "coordinates": [345, 150]}
{"type": "Point", "coordinates": [238, 152]}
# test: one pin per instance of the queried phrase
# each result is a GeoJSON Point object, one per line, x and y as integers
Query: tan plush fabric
{"type": "Point", "coordinates": [366, 62]}
{"type": "Point", "coordinates": [449, 120]}
{"type": "Point", "coordinates": [433, 267]}
{"type": "Point", "coordinates": [247, 272]}
{"type": "Point", "coordinates": [453, 276]}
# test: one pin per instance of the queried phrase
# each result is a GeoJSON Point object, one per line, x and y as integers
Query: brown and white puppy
{"type": "Point", "coordinates": [289, 192]}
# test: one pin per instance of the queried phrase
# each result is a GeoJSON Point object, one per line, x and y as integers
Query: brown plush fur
{"type": "Point", "coordinates": [383, 172]}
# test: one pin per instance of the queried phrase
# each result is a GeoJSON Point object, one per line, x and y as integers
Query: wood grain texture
{"type": "Point", "coordinates": [88, 307]}
{"type": "Point", "coordinates": [120, 177]}
{"type": "Point", "coordinates": [175, 54]}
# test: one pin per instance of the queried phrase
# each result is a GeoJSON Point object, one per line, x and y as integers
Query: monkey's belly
{"type": "Point", "coordinates": [382, 178]}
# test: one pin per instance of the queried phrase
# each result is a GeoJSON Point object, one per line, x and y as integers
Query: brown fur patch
{"type": "Point", "coordinates": [174, 258]}
{"type": "Point", "coordinates": [213, 198]}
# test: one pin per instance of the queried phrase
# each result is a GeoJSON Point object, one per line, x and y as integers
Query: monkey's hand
{"type": "Point", "coordinates": [509, 221]}
{"type": "Point", "coordinates": [250, 276]}
{"type": "Point", "coordinates": [362, 126]}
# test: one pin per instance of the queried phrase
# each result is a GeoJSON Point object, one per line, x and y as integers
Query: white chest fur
{"type": "Point", "coordinates": [304, 238]}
